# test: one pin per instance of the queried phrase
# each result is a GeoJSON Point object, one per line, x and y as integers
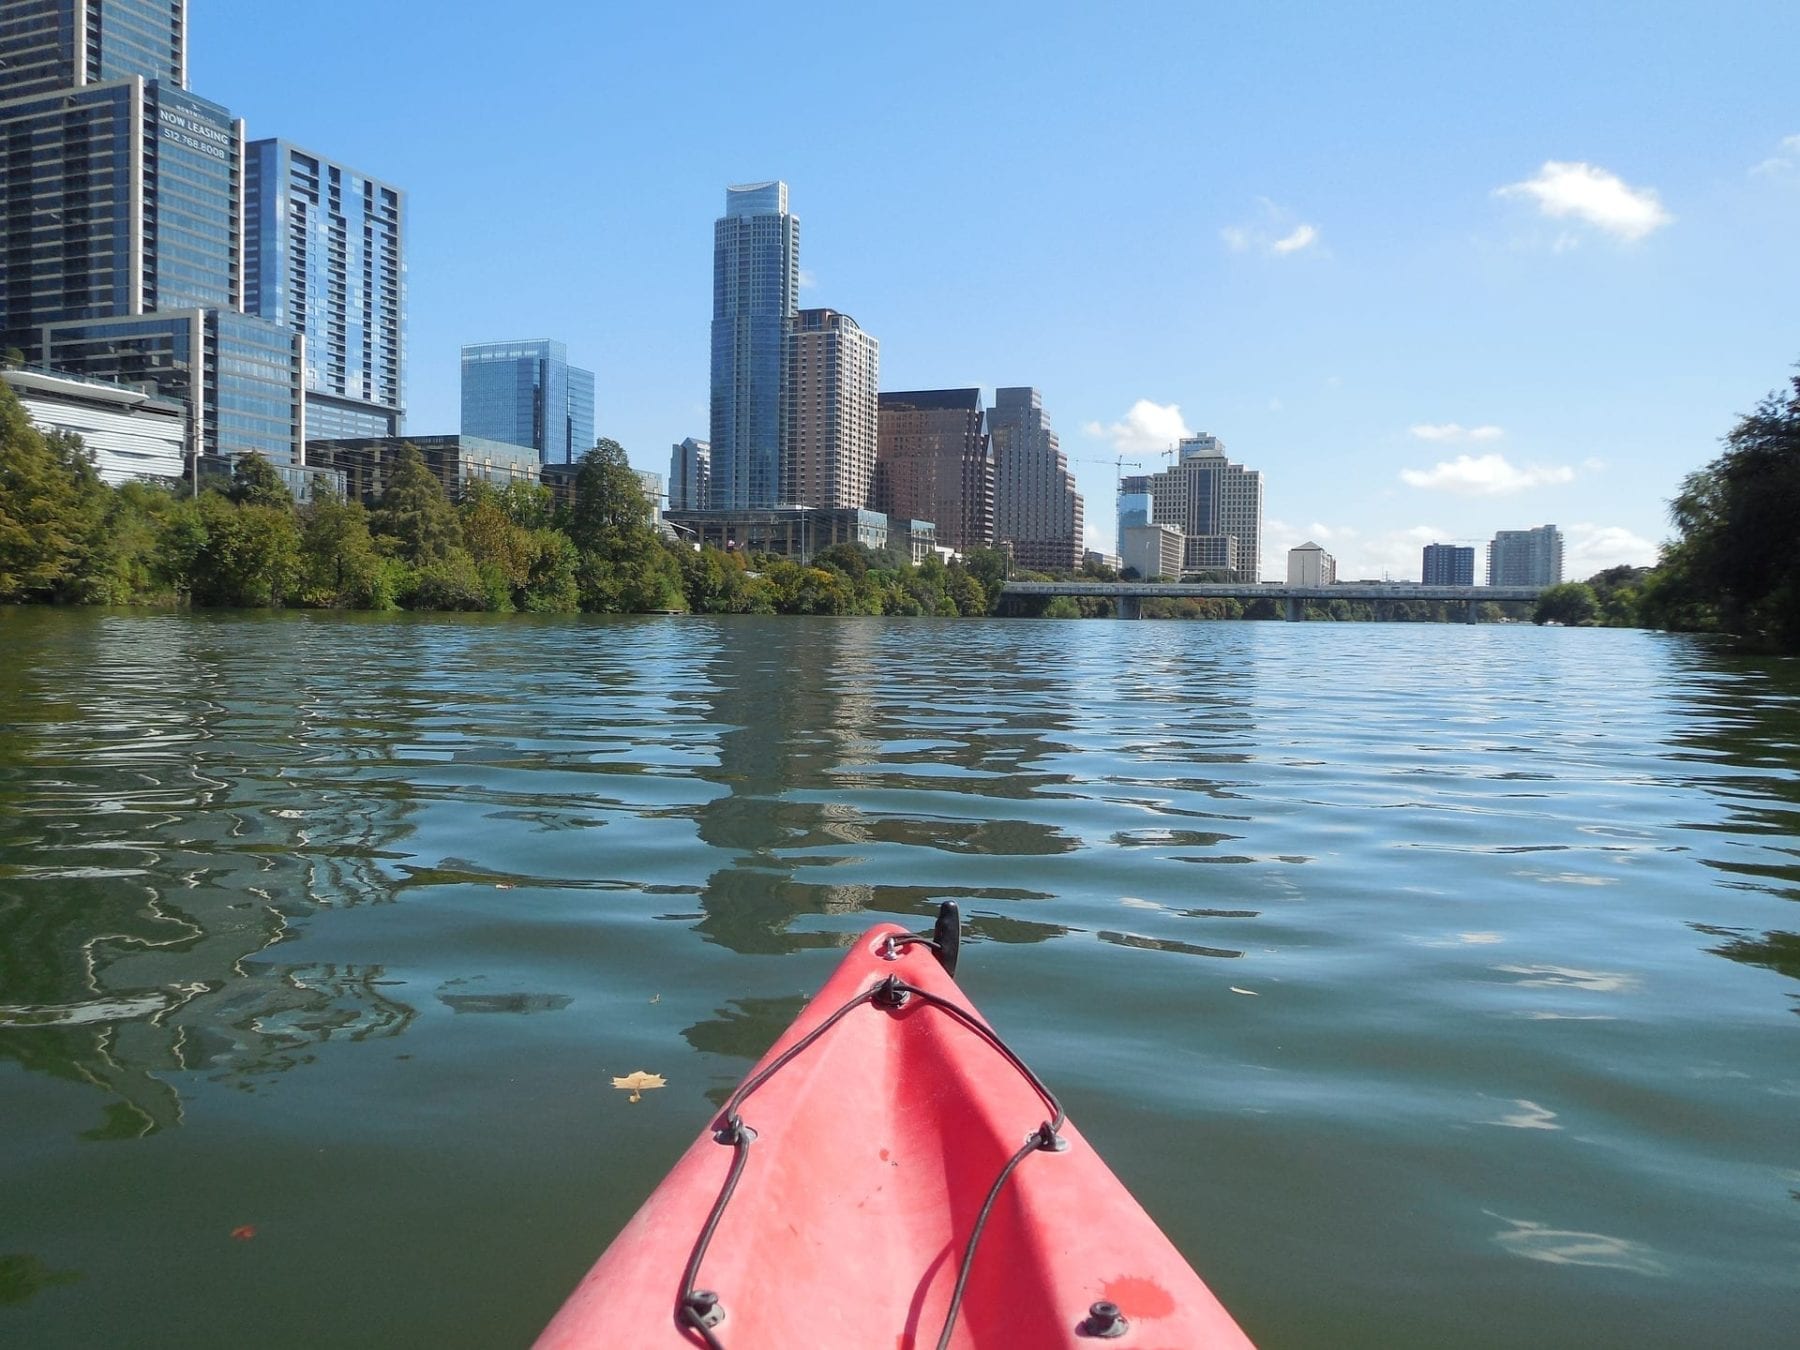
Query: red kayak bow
{"type": "Point", "coordinates": [891, 1175]}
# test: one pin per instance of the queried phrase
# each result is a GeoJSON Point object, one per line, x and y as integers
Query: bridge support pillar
{"type": "Point", "coordinates": [1469, 612]}
{"type": "Point", "coordinates": [1296, 609]}
{"type": "Point", "coordinates": [1128, 607]}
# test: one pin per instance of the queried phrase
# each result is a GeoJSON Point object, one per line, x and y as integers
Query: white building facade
{"type": "Point", "coordinates": [1310, 565]}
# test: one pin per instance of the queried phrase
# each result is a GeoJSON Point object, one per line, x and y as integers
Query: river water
{"type": "Point", "coordinates": [1431, 985]}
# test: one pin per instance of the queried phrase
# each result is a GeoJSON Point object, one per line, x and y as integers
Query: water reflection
{"type": "Point", "coordinates": [1570, 1247]}
{"type": "Point", "coordinates": [22, 1276]}
{"type": "Point", "coordinates": [806, 749]}
{"type": "Point", "coordinates": [179, 861]}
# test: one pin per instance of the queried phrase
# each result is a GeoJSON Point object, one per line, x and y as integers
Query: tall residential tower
{"type": "Point", "coordinates": [64, 44]}
{"type": "Point", "coordinates": [323, 255]}
{"type": "Point", "coordinates": [121, 223]}
{"type": "Point", "coordinates": [831, 401]}
{"type": "Point", "coordinates": [1526, 557]}
{"type": "Point", "coordinates": [756, 282]}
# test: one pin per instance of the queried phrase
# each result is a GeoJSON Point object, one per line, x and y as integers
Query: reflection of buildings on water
{"type": "Point", "coordinates": [815, 720]}
{"type": "Point", "coordinates": [123, 958]}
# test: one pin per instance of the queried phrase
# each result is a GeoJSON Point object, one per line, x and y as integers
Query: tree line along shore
{"type": "Point", "coordinates": [66, 537]}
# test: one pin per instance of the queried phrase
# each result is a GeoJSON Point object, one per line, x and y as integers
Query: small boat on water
{"type": "Point", "coordinates": [890, 1176]}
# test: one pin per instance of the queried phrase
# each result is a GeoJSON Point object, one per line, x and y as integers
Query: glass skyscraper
{"type": "Point", "coordinates": [756, 281]}
{"type": "Point", "coordinates": [527, 393]}
{"type": "Point", "coordinates": [323, 247]}
{"type": "Point", "coordinates": [121, 223]}
{"type": "Point", "coordinates": [61, 44]}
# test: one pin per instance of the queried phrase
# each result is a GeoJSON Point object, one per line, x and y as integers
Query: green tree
{"type": "Point", "coordinates": [51, 509]}
{"type": "Point", "coordinates": [989, 566]}
{"type": "Point", "coordinates": [221, 553]}
{"type": "Point", "coordinates": [1062, 607]}
{"type": "Point", "coordinates": [1618, 591]}
{"type": "Point", "coordinates": [255, 482]}
{"type": "Point", "coordinates": [1736, 564]}
{"type": "Point", "coordinates": [1570, 604]}
{"type": "Point", "coordinates": [415, 516]}
{"type": "Point", "coordinates": [611, 515]}
{"type": "Point", "coordinates": [850, 558]}
{"type": "Point", "coordinates": [340, 567]}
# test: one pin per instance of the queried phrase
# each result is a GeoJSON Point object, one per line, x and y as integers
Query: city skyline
{"type": "Point", "coordinates": [1548, 303]}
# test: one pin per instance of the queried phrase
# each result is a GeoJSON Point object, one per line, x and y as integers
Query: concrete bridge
{"type": "Point", "coordinates": [1128, 596]}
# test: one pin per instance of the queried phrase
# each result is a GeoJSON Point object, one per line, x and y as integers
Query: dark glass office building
{"type": "Point", "coordinates": [756, 281]}
{"type": "Point", "coordinates": [1448, 565]}
{"type": "Point", "coordinates": [527, 393]}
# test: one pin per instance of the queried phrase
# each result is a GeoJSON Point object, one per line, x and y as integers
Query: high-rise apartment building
{"type": "Point", "coordinates": [690, 469]}
{"type": "Point", "coordinates": [121, 223]}
{"type": "Point", "coordinates": [935, 462]}
{"type": "Point", "coordinates": [1526, 557]}
{"type": "Point", "coordinates": [831, 397]}
{"type": "Point", "coordinates": [323, 247]}
{"type": "Point", "coordinates": [1216, 504]}
{"type": "Point", "coordinates": [1036, 507]}
{"type": "Point", "coordinates": [1448, 565]}
{"type": "Point", "coordinates": [756, 282]}
{"type": "Point", "coordinates": [527, 393]}
{"type": "Point", "coordinates": [62, 44]}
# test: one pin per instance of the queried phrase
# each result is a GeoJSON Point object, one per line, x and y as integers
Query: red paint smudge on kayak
{"type": "Point", "coordinates": [1138, 1297]}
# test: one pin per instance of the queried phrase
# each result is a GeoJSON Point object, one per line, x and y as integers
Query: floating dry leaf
{"type": "Point", "coordinates": [637, 1083]}
{"type": "Point", "coordinates": [1251, 992]}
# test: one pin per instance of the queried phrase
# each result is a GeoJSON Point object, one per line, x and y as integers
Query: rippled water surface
{"type": "Point", "coordinates": [1431, 985]}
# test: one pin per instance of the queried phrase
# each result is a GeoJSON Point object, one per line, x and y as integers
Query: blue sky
{"type": "Point", "coordinates": [1434, 273]}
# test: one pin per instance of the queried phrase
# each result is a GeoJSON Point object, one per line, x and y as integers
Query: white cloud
{"type": "Point", "coordinates": [1147, 426]}
{"type": "Point", "coordinates": [1452, 431]}
{"type": "Point", "coordinates": [1095, 538]}
{"type": "Point", "coordinates": [807, 280]}
{"type": "Point", "coordinates": [1589, 548]}
{"type": "Point", "coordinates": [1483, 476]}
{"type": "Point", "coordinates": [1275, 234]}
{"type": "Point", "coordinates": [1786, 157]}
{"type": "Point", "coordinates": [1587, 193]}
{"type": "Point", "coordinates": [1302, 236]}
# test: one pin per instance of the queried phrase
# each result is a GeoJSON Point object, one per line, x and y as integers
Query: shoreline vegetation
{"type": "Point", "coordinates": [66, 537]}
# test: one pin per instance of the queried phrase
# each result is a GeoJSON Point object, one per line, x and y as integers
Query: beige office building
{"type": "Point", "coordinates": [1036, 508]}
{"type": "Point", "coordinates": [1217, 505]}
{"type": "Point", "coordinates": [832, 417]}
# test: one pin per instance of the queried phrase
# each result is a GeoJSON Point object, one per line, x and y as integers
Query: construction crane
{"type": "Point", "coordinates": [1120, 464]}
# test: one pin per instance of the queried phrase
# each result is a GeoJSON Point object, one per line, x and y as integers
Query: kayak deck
{"type": "Point", "coordinates": [870, 1152]}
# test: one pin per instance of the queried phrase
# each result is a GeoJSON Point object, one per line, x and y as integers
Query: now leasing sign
{"type": "Point", "coordinates": [194, 134]}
